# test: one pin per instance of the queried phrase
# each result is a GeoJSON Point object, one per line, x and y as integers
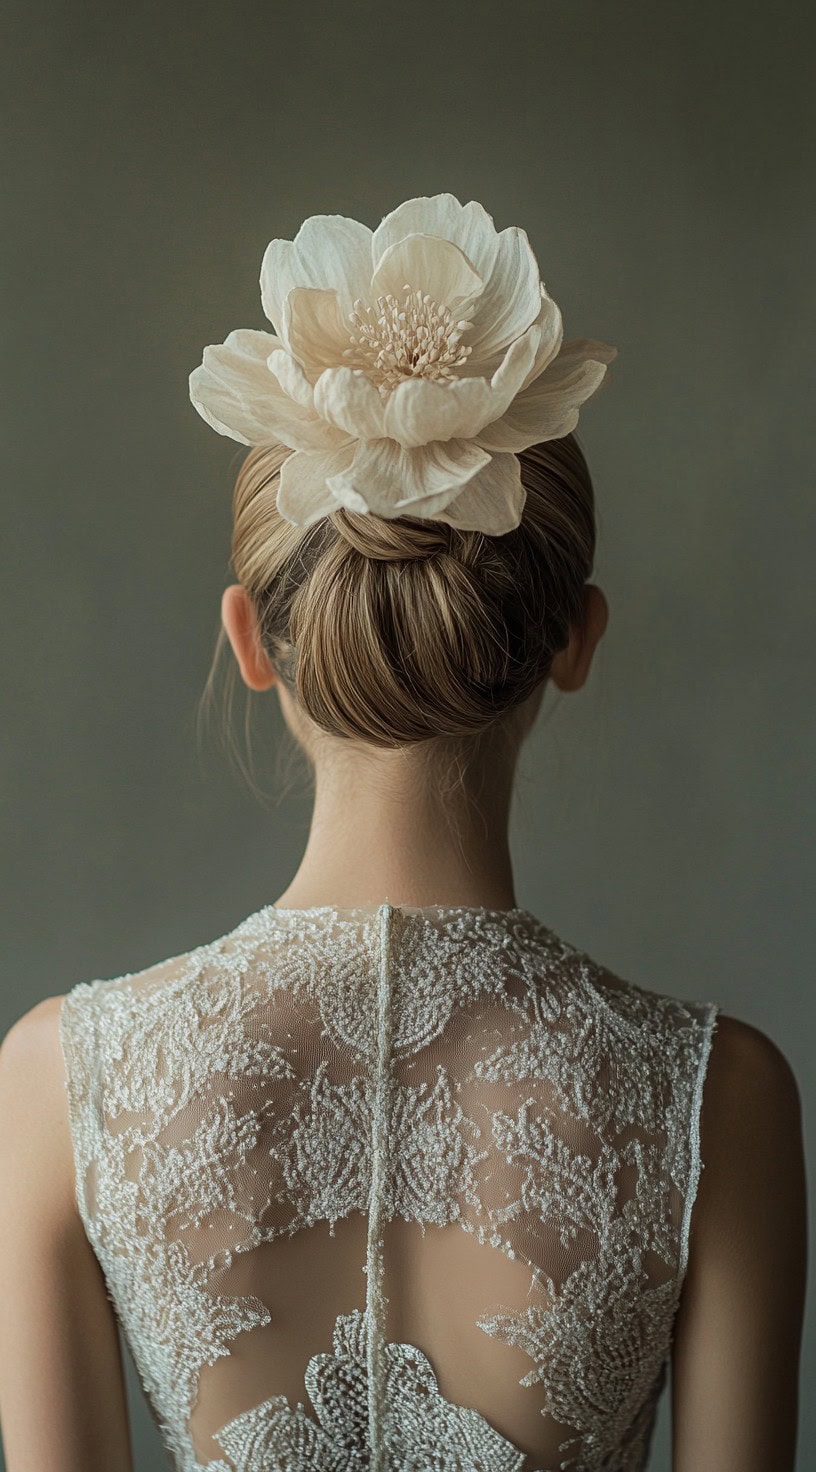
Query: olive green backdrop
{"type": "Point", "coordinates": [661, 158]}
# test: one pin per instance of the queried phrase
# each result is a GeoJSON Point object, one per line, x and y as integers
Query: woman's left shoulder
{"type": "Point", "coordinates": [30, 1050]}
{"type": "Point", "coordinates": [35, 1145]}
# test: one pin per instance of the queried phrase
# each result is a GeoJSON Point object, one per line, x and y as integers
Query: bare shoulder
{"type": "Point", "coordinates": [743, 1056]}
{"type": "Point", "coordinates": [748, 1084]}
{"type": "Point", "coordinates": [33, 1105]}
{"type": "Point", "coordinates": [32, 1043]}
{"type": "Point", "coordinates": [735, 1362]}
{"type": "Point", "coordinates": [750, 1135]}
{"type": "Point", "coordinates": [57, 1328]}
{"type": "Point", "coordinates": [33, 1027]}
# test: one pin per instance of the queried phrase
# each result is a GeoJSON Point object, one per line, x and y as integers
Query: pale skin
{"type": "Point", "coordinates": [374, 836]}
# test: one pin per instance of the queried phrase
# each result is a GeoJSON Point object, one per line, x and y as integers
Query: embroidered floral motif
{"type": "Point", "coordinates": [477, 1070]}
{"type": "Point", "coordinates": [425, 1433]}
{"type": "Point", "coordinates": [627, 1364]}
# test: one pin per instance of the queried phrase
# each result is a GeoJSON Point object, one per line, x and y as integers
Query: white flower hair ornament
{"type": "Point", "coordinates": [408, 367]}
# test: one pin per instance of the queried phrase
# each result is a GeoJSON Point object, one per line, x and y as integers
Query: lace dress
{"type": "Point", "coordinates": [390, 1189]}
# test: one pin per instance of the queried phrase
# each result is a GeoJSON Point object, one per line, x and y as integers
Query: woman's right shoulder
{"type": "Point", "coordinates": [738, 1332]}
{"type": "Point", "coordinates": [751, 1100]}
{"type": "Point", "coordinates": [750, 1128]}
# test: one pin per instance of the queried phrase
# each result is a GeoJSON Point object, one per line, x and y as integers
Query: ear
{"type": "Point", "coordinates": [241, 625]}
{"type": "Point", "coordinates": [570, 666]}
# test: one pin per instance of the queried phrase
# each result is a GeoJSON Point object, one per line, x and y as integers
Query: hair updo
{"type": "Point", "coordinates": [396, 631]}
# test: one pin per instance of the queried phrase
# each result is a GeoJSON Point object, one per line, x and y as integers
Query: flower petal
{"type": "Point", "coordinates": [547, 408]}
{"type": "Point", "coordinates": [511, 300]}
{"type": "Point", "coordinates": [492, 502]}
{"type": "Point", "coordinates": [420, 410]}
{"type": "Point", "coordinates": [552, 331]}
{"type": "Point", "coordinates": [552, 335]}
{"type": "Point", "coordinates": [347, 398]}
{"type": "Point", "coordinates": [423, 409]}
{"type": "Point", "coordinates": [235, 392]}
{"type": "Point", "coordinates": [391, 480]}
{"type": "Point", "coordinates": [313, 329]}
{"type": "Point", "coordinates": [468, 225]}
{"type": "Point", "coordinates": [291, 377]}
{"type": "Point", "coordinates": [329, 251]}
{"type": "Point", "coordinates": [430, 264]}
{"type": "Point", "coordinates": [303, 493]}
{"type": "Point", "coordinates": [514, 371]}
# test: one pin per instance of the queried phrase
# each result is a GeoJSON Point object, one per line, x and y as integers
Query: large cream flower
{"type": "Point", "coordinates": [409, 366]}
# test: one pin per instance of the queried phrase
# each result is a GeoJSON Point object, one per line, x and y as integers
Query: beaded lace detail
{"type": "Point", "coordinates": [432, 1169]}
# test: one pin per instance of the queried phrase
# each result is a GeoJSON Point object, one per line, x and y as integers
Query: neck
{"type": "Point", "coordinates": [379, 833]}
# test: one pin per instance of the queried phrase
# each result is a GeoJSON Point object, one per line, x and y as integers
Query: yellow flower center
{"type": "Point", "coordinates": [411, 338]}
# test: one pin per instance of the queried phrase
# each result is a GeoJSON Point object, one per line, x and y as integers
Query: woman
{"type": "Point", "coordinates": [391, 1176]}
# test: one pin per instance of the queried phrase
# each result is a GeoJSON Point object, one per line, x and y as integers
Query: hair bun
{"type": "Point", "coordinates": [393, 631]}
{"type": "Point", "coordinates": [387, 540]}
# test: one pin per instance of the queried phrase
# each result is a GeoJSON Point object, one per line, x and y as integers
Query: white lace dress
{"type": "Point", "coordinates": [390, 1189]}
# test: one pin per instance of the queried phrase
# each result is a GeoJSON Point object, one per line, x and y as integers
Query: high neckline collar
{"type": "Point", "coordinates": [358, 911]}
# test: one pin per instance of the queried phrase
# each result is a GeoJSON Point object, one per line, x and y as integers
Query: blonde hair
{"type": "Point", "coordinates": [393, 632]}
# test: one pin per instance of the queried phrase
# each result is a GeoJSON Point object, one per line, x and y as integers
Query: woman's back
{"type": "Point", "coordinates": [403, 1188]}
{"type": "Point", "coordinates": [406, 1187]}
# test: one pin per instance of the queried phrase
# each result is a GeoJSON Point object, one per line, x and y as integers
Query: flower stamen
{"type": "Point", "coordinates": [414, 337]}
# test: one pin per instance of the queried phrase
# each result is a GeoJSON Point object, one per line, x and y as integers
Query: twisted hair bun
{"type": "Point", "coordinates": [402, 540]}
{"type": "Point", "coordinates": [396, 631]}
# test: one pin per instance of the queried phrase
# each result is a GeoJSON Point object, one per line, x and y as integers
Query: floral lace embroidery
{"type": "Point", "coordinates": [439, 1066]}
{"type": "Point", "coordinates": [423, 1432]}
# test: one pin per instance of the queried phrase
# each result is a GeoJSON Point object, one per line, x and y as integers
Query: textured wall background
{"type": "Point", "coordinates": [661, 158]}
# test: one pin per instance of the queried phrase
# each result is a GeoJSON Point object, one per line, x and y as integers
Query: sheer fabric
{"type": "Point", "coordinates": [390, 1189]}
